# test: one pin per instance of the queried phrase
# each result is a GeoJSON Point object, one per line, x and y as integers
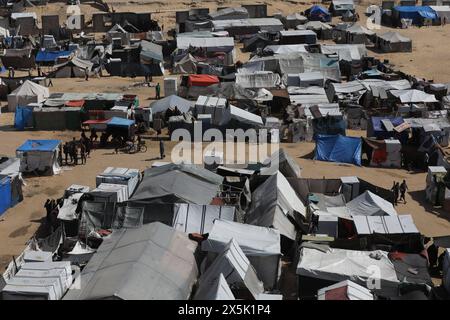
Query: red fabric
{"type": "Point", "coordinates": [337, 294]}
{"type": "Point", "coordinates": [397, 255]}
{"type": "Point", "coordinates": [202, 80]}
{"type": "Point", "coordinates": [379, 156]}
{"type": "Point", "coordinates": [217, 202]}
{"type": "Point", "coordinates": [88, 122]}
{"type": "Point", "coordinates": [75, 103]}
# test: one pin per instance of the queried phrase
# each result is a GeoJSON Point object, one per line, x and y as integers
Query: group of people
{"type": "Point", "coordinates": [399, 190]}
{"type": "Point", "coordinates": [52, 209]}
{"type": "Point", "coordinates": [77, 150]}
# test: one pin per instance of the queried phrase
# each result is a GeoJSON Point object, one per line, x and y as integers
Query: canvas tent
{"type": "Point", "coordinates": [233, 262]}
{"type": "Point", "coordinates": [294, 19]}
{"type": "Point", "coordinates": [370, 204]}
{"type": "Point", "coordinates": [215, 289]}
{"type": "Point", "coordinates": [171, 102]}
{"type": "Point", "coordinates": [177, 184]}
{"type": "Point", "coordinates": [273, 203]}
{"type": "Point", "coordinates": [258, 80]}
{"type": "Point", "coordinates": [318, 13]}
{"type": "Point", "coordinates": [39, 156]}
{"type": "Point", "coordinates": [338, 148]}
{"type": "Point", "coordinates": [394, 42]}
{"type": "Point", "coordinates": [413, 96]}
{"type": "Point", "coordinates": [230, 13]}
{"type": "Point", "coordinates": [334, 265]}
{"type": "Point", "coordinates": [74, 68]}
{"type": "Point", "coordinates": [154, 262]}
{"type": "Point", "coordinates": [260, 245]}
{"type": "Point", "coordinates": [387, 225]}
{"type": "Point", "coordinates": [416, 13]}
{"type": "Point", "coordinates": [340, 7]}
{"type": "Point", "coordinates": [281, 161]}
{"type": "Point", "coordinates": [28, 92]}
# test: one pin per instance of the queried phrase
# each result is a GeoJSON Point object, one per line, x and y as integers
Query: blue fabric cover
{"type": "Point", "coordinates": [39, 145]}
{"type": "Point", "coordinates": [50, 56]}
{"type": "Point", "coordinates": [5, 194]}
{"type": "Point", "coordinates": [338, 148]}
{"type": "Point", "coordinates": [23, 117]}
{"type": "Point", "coordinates": [120, 122]}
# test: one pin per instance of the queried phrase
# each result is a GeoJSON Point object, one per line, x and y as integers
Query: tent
{"type": "Point", "coordinates": [281, 161]}
{"type": "Point", "coordinates": [23, 117]}
{"type": "Point", "coordinates": [383, 127]}
{"type": "Point", "coordinates": [39, 155]}
{"type": "Point", "coordinates": [177, 184]}
{"type": "Point", "coordinates": [370, 204]}
{"type": "Point", "coordinates": [262, 79]}
{"type": "Point", "coordinates": [216, 289]}
{"type": "Point", "coordinates": [275, 204]}
{"type": "Point", "coordinates": [395, 224]}
{"type": "Point", "coordinates": [341, 7]}
{"type": "Point", "coordinates": [293, 20]}
{"type": "Point", "coordinates": [230, 13]}
{"type": "Point", "coordinates": [187, 64]}
{"type": "Point", "coordinates": [318, 13]}
{"type": "Point", "coordinates": [394, 42]}
{"type": "Point", "coordinates": [260, 245]}
{"type": "Point", "coordinates": [212, 44]}
{"type": "Point", "coordinates": [47, 56]}
{"type": "Point", "coordinates": [345, 290]}
{"type": "Point", "coordinates": [202, 80]}
{"type": "Point", "coordinates": [171, 102]}
{"type": "Point", "coordinates": [123, 176]}
{"type": "Point", "coordinates": [338, 148]}
{"type": "Point", "coordinates": [74, 68]}
{"type": "Point", "coordinates": [413, 96]}
{"type": "Point", "coordinates": [5, 194]}
{"type": "Point", "coordinates": [332, 265]}
{"type": "Point", "coordinates": [28, 92]}
{"type": "Point", "coordinates": [240, 274]}
{"type": "Point", "coordinates": [218, 108]}
{"type": "Point", "coordinates": [154, 262]}
{"type": "Point", "coordinates": [415, 13]}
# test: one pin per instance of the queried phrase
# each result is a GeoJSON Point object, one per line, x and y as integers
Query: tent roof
{"type": "Point", "coordinates": [340, 264]}
{"type": "Point", "coordinates": [287, 48]}
{"type": "Point", "coordinates": [394, 37]}
{"type": "Point", "coordinates": [281, 161]}
{"type": "Point", "coordinates": [39, 145]}
{"type": "Point", "coordinates": [358, 29]}
{"type": "Point", "coordinates": [151, 50]}
{"type": "Point", "coordinates": [218, 289]}
{"type": "Point", "coordinates": [213, 42]}
{"type": "Point", "coordinates": [30, 88]}
{"type": "Point", "coordinates": [345, 290]}
{"type": "Point", "coordinates": [413, 96]}
{"type": "Point", "coordinates": [385, 224]}
{"type": "Point", "coordinates": [317, 25]}
{"type": "Point", "coordinates": [338, 148]}
{"type": "Point", "coordinates": [370, 204]}
{"type": "Point", "coordinates": [153, 262]}
{"type": "Point", "coordinates": [120, 122]}
{"type": "Point", "coordinates": [171, 102]}
{"type": "Point", "coordinates": [51, 56]}
{"type": "Point", "coordinates": [253, 240]}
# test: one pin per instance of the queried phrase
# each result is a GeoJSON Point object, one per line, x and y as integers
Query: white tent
{"type": "Point", "coordinates": [154, 262]}
{"type": "Point", "coordinates": [233, 262]}
{"type": "Point", "coordinates": [217, 289]}
{"type": "Point", "coordinates": [260, 245]}
{"type": "Point", "coordinates": [244, 116]}
{"type": "Point", "coordinates": [339, 264]}
{"type": "Point", "coordinates": [413, 96]}
{"type": "Point", "coordinates": [344, 290]}
{"type": "Point", "coordinates": [286, 48]}
{"type": "Point", "coordinates": [171, 102]}
{"type": "Point", "coordinates": [369, 204]}
{"type": "Point", "coordinates": [384, 224]}
{"type": "Point", "coordinates": [28, 92]}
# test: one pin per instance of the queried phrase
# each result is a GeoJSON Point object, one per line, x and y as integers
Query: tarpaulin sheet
{"type": "Point", "coordinates": [39, 145]}
{"type": "Point", "coordinates": [74, 103]}
{"type": "Point", "coordinates": [50, 56]}
{"type": "Point", "coordinates": [5, 194]}
{"type": "Point", "coordinates": [202, 80]}
{"type": "Point", "coordinates": [120, 122]}
{"type": "Point", "coordinates": [23, 117]}
{"type": "Point", "coordinates": [338, 148]}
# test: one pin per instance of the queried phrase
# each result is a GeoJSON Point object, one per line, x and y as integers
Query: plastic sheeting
{"type": "Point", "coordinates": [338, 148]}
{"type": "Point", "coordinates": [217, 289]}
{"type": "Point", "coordinates": [154, 262]}
{"type": "Point", "coordinates": [339, 264]}
{"type": "Point", "coordinates": [23, 117]}
{"type": "Point", "coordinates": [369, 204]}
{"type": "Point", "coordinates": [385, 224]}
{"type": "Point", "coordinates": [171, 102]}
{"type": "Point", "coordinates": [5, 194]}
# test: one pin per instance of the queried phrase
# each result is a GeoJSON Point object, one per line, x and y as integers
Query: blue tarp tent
{"type": "Point", "coordinates": [50, 56]}
{"type": "Point", "coordinates": [39, 145]}
{"type": "Point", "coordinates": [378, 130]}
{"type": "Point", "coordinates": [120, 122]}
{"type": "Point", "coordinates": [415, 13]}
{"type": "Point", "coordinates": [338, 148]}
{"type": "Point", "coordinates": [5, 194]}
{"type": "Point", "coordinates": [318, 13]}
{"type": "Point", "coordinates": [23, 117]}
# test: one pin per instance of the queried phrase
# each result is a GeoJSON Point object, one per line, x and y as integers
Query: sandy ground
{"type": "Point", "coordinates": [429, 59]}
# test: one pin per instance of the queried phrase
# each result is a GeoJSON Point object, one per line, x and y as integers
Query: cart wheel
{"type": "Point", "coordinates": [144, 148]}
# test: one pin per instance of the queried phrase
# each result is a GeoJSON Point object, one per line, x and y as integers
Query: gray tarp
{"type": "Point", "coordinates": [369, 204]}
{"type": "Point", "coordinates": [283, 162]}
{"type": "Point", "coordinates": [177, 183]}
{"type": "Point", "coordinates": [154, 262]}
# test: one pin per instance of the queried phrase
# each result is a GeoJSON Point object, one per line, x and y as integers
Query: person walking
{"type": "Point", "coordinates": [158, 91]}
{"type": "Point", "coordinates": [403, 188]}
{"type": "Point", "coordinates": [66, 153]}
{"type": "Point", "coordinates": [75, 151]}
{"type": "Point", "coordinates": [86, 74]}
{"type": "Point", "coordinates": [395, 189]}
{"type": "Point", "coordinates": [87, 145]}
{"type": "Point", "coordinates": [83, 153]}
{"type": "Point", "coordinates": [161, 149]}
